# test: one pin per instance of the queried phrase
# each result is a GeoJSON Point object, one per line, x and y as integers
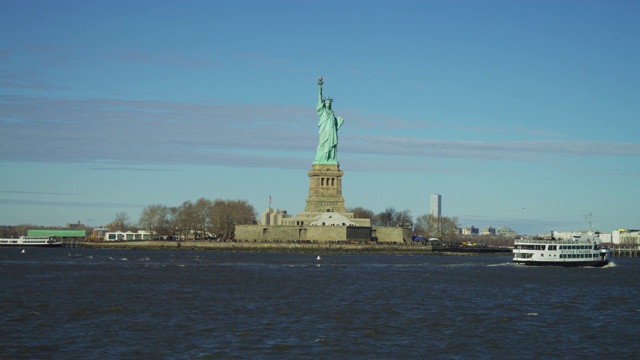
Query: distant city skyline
{"type": "Point", "coordinates": [522, 114]}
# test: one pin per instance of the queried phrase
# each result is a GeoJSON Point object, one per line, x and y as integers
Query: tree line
{"type": "Point", "coordinates": [218, 218]}
{"type": "Point", "coordinates": [428, 226]}
{"type": "Point", "coordinates": [201, 219]}
{"type": "Point", "coordinates": [441, 227]}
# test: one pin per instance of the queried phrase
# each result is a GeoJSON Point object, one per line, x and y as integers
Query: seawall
{"type": "Point", "coordinates": [413, 249]}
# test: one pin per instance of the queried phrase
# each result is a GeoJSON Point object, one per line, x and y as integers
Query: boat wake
{"type": "Point", "coordinates": [510, 263]}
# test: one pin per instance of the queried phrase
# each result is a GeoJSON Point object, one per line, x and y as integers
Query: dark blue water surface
{"type": "Point", "coordinates": [88, 303]}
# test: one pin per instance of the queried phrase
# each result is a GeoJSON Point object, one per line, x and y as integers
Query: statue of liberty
{"type": "Point", "coordinates": [328, 126]}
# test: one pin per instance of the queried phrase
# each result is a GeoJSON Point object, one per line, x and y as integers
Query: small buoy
{"type": "Point", "coordinates": [318, 258]}
{"type": "Point", "coordinates": [23, 251]}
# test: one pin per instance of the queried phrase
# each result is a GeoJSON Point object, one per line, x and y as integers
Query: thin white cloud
{"type": "Point", "coordinates": [116, 131]}
{"type": "Point", "coordinates": [487, 149]}
{"type": "Point", "coordinates": [37, 193]}
{"type": "Point", "coordinates": [142, 57]}
{"type": "Point", "coordinates": [130, 169]}
{"type": "Point", "coordinates": [65, 203]}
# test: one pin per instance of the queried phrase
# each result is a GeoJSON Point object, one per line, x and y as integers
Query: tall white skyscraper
{"type": "Point", "coordinates": [436, 205]}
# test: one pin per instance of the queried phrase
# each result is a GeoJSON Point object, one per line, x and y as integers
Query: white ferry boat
{"type": "Point", "coordinates": [31, 241]}
{"type": "Point", "coordinates": [580, 250]}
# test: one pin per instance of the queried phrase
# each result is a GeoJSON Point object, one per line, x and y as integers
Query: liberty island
{"type": "Point", "coordinates": [325, 218]}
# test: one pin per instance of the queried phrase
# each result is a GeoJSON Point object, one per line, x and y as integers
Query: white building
{"type": "Point", "coordinates": [274, 216]}
{"type": "Point", "coordinates": [625, 237]}
{"type": "Point", "coordinates": [127, 236]}
{"type": "Point", "coordinates": [607, 238]}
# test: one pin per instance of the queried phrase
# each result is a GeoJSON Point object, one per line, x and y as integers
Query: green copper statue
{"type": "Point", "coordinates": [328, 126]}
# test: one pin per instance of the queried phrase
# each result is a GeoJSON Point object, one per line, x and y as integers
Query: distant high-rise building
{"type": "Point", "coordinates": [436, 205]}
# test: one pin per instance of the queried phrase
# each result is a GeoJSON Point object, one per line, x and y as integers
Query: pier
{"type": "Point", "coordinates": [625, 252]}
{"type": "Point", "coordinates": [72, 242]}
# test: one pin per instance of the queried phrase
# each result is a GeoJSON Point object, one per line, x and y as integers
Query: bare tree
{"type": "Point", "coordinates": [434, 226]}
{"type": "Point", "coordinates": [386, 218]}
{"type": "Point", "coordinates": [449, 227]}
{"type": "Point", "coordinates": [224, 215]}
{"type": "Point", "coordinates": [421, 225]}
{"type": "Point", "coordinates": [185, 219]}
{"type": "Point", "coordinates": [216, 217]}
{"type": "Point", "coordinates": [404, 219]}
{"type": "Point", "coordinates": [201, 216]}
{"type": "Point", "coordinates": [431, 226]}
{"type": "Point", "coordinates": [173, 221]}
{"type": "Point", "coordinates": [17, 230]}
{"type": "Point", "coordinates": [361, 213]}
{"type": "Point", "coordinates": [240, 213]}
{"type": "Point", "coordinates": [155, 218]}
{"type": "Point", "coordinates": [120, 222]}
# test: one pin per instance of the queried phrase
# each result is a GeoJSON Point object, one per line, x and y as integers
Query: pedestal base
{"type": "Point", "coordinates": [325, 189]}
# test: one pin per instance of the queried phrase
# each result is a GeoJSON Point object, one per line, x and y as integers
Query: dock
{"type": "Point", "coordinates": [625, 252]}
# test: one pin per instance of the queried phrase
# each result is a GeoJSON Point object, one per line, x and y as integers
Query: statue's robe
{"type": "Point", "coordinates": [328, 126]}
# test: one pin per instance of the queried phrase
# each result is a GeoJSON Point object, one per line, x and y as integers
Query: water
{"type": "Point", "coordinates": [88, 303]}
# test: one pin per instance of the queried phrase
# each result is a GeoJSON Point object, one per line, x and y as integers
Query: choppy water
{"type": "Point", "coordinates": [84, 303]}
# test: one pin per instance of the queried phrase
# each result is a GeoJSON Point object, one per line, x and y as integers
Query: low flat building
{"type": "Point", "coordinates": [127, 236]}
{"type": "Point", "coordinates": [65, 236]}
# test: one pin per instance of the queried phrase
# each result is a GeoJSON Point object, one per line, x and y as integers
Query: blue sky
{"type": "Point", "coordinates": [519, 113]}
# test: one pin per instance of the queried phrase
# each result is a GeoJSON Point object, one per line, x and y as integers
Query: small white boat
{"type": "Point", "coordinates": [580, 250]}
{"type": "Point", "coordinates": [31, 241]}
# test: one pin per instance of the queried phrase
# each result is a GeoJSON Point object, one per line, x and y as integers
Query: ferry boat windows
{"type": "Point", "coordinates": [530, 247]}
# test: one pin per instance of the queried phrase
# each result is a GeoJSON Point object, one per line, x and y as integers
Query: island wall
{"type": "Point", "coordinates": [322, 234]}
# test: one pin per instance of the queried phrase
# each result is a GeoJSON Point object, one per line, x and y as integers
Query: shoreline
{"type": "Point", "coordinates": [318, 249]}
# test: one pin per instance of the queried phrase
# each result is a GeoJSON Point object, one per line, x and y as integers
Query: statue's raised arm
{"type": "Point", "coordinates": [320, 82]}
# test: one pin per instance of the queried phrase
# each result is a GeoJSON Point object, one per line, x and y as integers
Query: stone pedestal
{"type": "Point", "coordinates": [325, 189]}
